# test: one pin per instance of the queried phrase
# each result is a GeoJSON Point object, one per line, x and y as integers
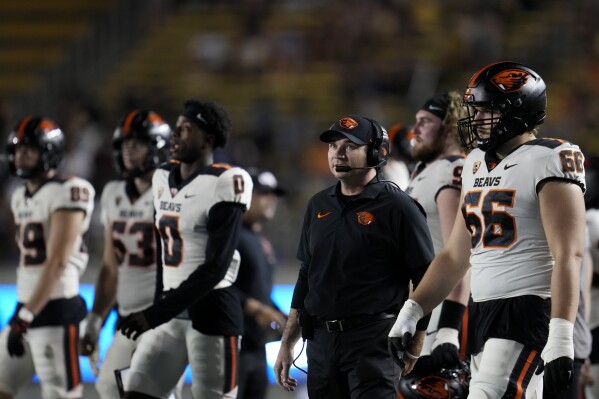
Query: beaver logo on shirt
{"type": "Point", "coordinates": [365, 218]}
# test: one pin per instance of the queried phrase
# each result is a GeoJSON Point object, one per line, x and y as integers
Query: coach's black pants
{"type": "Point", "coordinates": [352, 364]}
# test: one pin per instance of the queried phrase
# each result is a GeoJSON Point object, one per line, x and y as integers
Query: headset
{"type": "Point", "coordinates": [378, 148]}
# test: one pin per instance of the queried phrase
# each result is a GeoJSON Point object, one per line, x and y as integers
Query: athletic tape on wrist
{"type": "Point", "coordinates": [26, 315]}
{"type": "Point", "coordinates": [560, 342]}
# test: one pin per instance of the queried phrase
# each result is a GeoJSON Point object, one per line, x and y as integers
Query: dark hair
{"type": "Point", "coordinates": [214, 119]}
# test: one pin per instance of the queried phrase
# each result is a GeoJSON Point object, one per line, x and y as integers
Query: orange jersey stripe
{"type": "Point", "coordinates": [520, 391]}
{"type": "Point", "coordinates": [464, 337]}
{"type": "Point", "coordinates": [74, 361]}
{"type": "Point", "coordinates": [233, 362]}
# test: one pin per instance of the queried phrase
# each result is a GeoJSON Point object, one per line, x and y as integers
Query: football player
{"type": "Point", "coordinates": [128, 273]}
{"type": "Point", "coordinates": [521, 229]}
{"type": "Point", "coordinates": [51, 214]}
{"type": "Point", "coordinates": [199, 209]}
{"type": "Point", "coordinates": [592, 204]}
{"type": "Point", "coordinates": [436, 183]}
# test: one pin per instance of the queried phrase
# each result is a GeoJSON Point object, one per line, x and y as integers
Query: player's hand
{"type": "Point", "coordinates": [15, 343]}
{"type": "Point", "coordinates": [446, 348]}
{"type": "Point", "coordinates": [558, 374]}
{"type": "Point", "coordinates": [401, 334]}
{"type": "Point", "coordinates": [133, 326]}
{"type": "Point", "coordinates": [283, 365]}
{"type": "Point", "coordinates": [89, 342]}
{"type": "Point", "coordinates": [558, 356]}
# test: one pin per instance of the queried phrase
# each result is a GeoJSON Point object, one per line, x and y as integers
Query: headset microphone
{"type": "Point", "coordinates": [345, 168]}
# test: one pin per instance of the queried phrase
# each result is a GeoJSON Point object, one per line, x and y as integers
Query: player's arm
{"type": "Point", "coordinates": [224, 225]}
{"type": "Point", "coordinates": [563, 217]}
{"type": "Point", "coordinates": [65, 226]}
{"type": "Point", "coordinates": [104, 296]}
{"type": "Point", "coordinates": [445, 347]}
{"type": "Point", "coordinates": [106, 284]}
{"type": "Point", "coordinates": [448, 267]}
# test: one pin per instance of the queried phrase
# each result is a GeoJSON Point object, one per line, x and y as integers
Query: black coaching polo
{"type": "Point", "coordinates": [358, 257]}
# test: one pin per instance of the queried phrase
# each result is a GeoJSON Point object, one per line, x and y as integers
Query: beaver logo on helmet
{"type": "Point", "coordinates": [510, 80]}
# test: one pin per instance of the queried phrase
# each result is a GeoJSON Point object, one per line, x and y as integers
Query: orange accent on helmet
{"type": "Point", "coordinates": [22, 126]}
{"type": "Point", "coordinates": [128, 122]}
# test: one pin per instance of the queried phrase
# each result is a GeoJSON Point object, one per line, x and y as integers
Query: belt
{"type": "Point", "coordinates": [349, 322]}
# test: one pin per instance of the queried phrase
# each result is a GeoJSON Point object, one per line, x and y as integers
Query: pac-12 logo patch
{"type": "Point", "coordinates": [475, 167]}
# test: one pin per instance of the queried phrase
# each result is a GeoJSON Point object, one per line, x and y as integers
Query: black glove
{"type": "Point", "coordinates": [558, 374]}
{"type": "Point", "coordinates": [15, 345]}
{"type": "Point", "coordinates": [445, 356]}
{"type": "Point", "coordinates": [398, 347]}
{"type": "Point", "coordinates": [133, 326]}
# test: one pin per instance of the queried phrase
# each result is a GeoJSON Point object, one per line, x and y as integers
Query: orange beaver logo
{"type": "Point", "coordinates": [510, 80]}
{"type": "Point", "coordinates": [347, 123]}
{"type": "Point", "coordinates": [365, 218]}
{"type": "Point", "coordinates": [433, 387]}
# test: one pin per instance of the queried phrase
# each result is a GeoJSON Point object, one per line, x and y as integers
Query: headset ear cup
{"type": "Point", "coordinates": [378, 149]}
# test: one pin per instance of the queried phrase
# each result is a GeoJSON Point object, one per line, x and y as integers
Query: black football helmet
{"type": "Point", "coordinates": [41, 133]}
{"type": "Point", "coordinates": [444, 384]}
{"type": "Point", "coordinates": [513, 90]}
{"type": "Point", "coordinates": [148, 127]}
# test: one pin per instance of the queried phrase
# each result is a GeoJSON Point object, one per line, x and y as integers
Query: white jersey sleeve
{"type": "Point", "coordinates": [74, 194]}
{"type": "Point", "coordinates": [234, 185]}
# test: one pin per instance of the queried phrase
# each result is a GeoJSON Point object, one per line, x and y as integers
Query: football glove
{"type": "Point", "coordinates": [18, 328]}
{"type": "Point", "coordinates": [445, 348]}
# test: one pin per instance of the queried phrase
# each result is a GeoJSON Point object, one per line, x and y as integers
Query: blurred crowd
{"type": "Point", "coordinates": [379, 59]}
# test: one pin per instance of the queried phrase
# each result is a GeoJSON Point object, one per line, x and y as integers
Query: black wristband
{"type": "Point", "coordinates": [451, 315]}
{"type": "Point", "coordinates": [422, 324]}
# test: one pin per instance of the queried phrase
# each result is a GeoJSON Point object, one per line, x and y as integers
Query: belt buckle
{"type": "Point", "coordinates": [334, 322]}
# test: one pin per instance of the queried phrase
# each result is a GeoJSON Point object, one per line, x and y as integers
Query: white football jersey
{"type": "Point", "coordinates": [130, 216]}
{"type": "Point", "coordinates": [32, 214]}
{"type": "Point", "coordinates": [593, 232]}
{"type": "Point", "coordinates": [182, 216]}
{"type": "Point", "coordinates": [510, 254]}
{"type": "Point", "coordinates": [426, 184]}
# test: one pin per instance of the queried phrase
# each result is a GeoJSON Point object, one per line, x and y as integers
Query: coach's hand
{"type": "Point", "coordinates": [133, 326]}
{"type": "Point", "coordinates": [558, 356]}
{"type": "Point", "coordinates": [446, 348]}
